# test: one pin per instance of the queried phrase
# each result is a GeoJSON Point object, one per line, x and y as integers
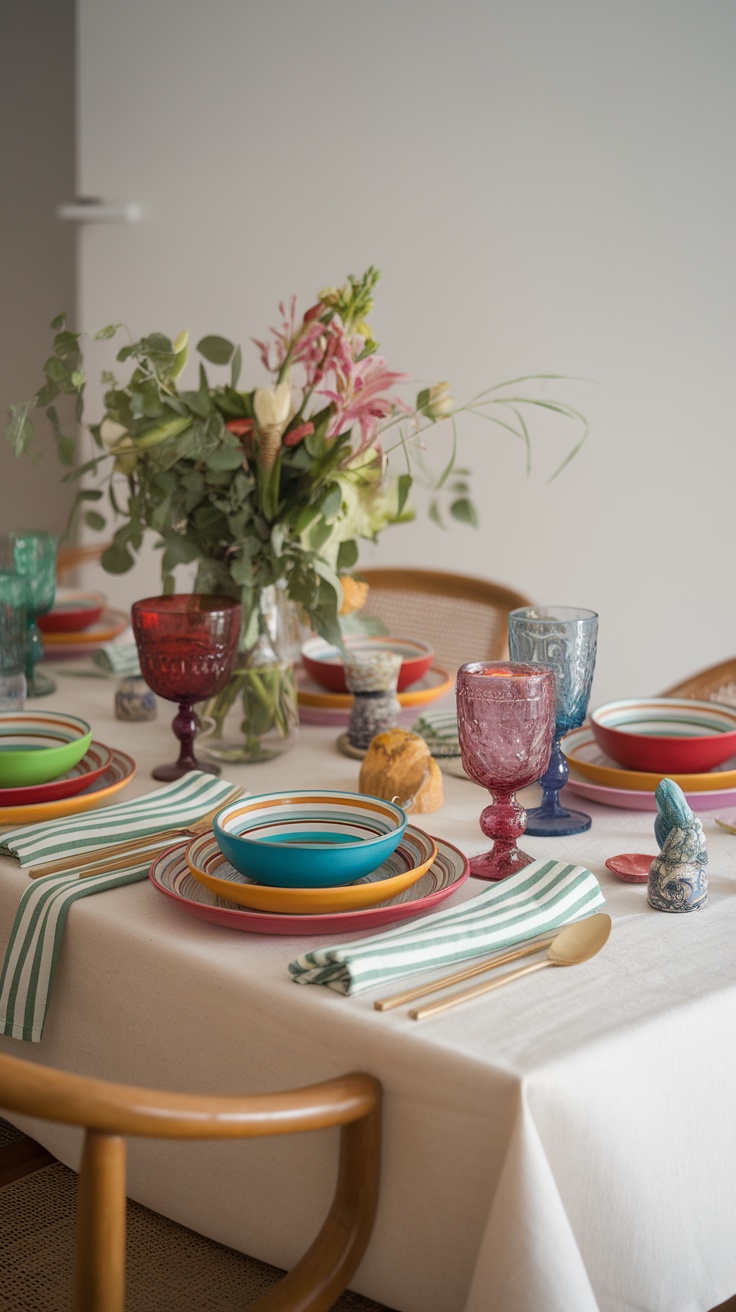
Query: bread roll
{"type": "Point", "coordinates": [399, 766]}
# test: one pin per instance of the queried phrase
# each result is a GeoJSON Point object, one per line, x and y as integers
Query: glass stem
{"type": "Point", "coordinates": [185, 725]}
{"type": "Point", "coordinates": [553, 781]}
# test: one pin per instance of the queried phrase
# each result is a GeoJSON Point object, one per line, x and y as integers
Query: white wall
{"type": "Point", "coordinates": [37, 263]}
{"type": "Point", "coordinates": [544, 186]}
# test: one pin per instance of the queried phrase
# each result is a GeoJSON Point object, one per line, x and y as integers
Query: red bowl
{"type": "Point", "coordinates": [324, 663]}
{"type": "Point", "coordinates": [671, 735]}
{"type": "Point", "coordinates": [73, 612]}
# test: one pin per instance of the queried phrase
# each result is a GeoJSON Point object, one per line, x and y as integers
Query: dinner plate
{"type": "Point", "coordinates": [116, 776]}
{"type": "Point", "coordinates": [171, 875]}
{"type": "Point", "coordinates": [324, 663]}
{"type": "Point", "coordinates": [319, 707]}
{"type": "Point", "coordinates": [73, 611]}
{"type": "Point", "coordinates": [630, 799]}
{"type": "Point", "coordinates": [582, 751]}
{"type": "Point", "coordinates": [61, 646]}
{"type": "Point", "coordinates": [97, 759]}
{"type": "Point", "coordinates": [407, 863]}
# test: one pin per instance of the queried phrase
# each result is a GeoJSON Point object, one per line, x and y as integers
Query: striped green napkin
{"type": "Point", "coordinates": [541, 897]}
{"type": "Point", "coordinates": [35, 939]}
{"type": "Point", "coordinates": [118, 658]}
{"type": "Point", "coordinates": [165, 808]}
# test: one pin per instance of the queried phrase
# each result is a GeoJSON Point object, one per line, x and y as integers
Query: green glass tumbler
{"type": "Point", "coordinates": [33, 556]}
{"type": "Point", "coordinates": [12, 641]}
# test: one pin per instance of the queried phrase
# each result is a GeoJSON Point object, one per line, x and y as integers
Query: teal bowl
{"type": "Point", "coordinates": [38, 746]}
{"type": "Point", "coordinates": [308, 838]}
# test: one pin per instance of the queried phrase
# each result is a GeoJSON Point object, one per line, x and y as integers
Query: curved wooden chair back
{"type": "Point", "coordinates": [717, 683]}
{"type": "Point", "coordinates": [108, 1111]}
{"type": "Point", "coordinates": [462, 617]}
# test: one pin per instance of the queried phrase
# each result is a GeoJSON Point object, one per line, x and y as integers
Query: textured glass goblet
{"type": "Point", "coordinates": [506, 725]}
{"type": "Point", "coordinates": [187, 646]}
{"type": "Point", "coordinates": [564, 639]}
{"type": "Point", "coordinates": [33, 555]}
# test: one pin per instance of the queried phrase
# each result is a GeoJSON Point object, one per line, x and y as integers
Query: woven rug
{"type": "Point", "coordinates": [169, 1268]}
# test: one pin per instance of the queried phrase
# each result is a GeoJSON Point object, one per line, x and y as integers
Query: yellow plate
{"type": "Point", "coordinates": [119, 773]}
{"type": "Point", "coordinates": [434, 684]}
{"type": "Point", "coordinates": [110, 625]}
{"type": "Point", "coordinates": [582, 751]}
{"type": "Point", "coordinates": [411, 859]}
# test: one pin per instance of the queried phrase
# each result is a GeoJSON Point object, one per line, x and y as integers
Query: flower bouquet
{"type": "Point", "coordinates": [269, 489]}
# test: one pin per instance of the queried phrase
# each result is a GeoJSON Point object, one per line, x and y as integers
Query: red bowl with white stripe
{"type": "Point", "coordinates": [323, 662]}
{"type": "Point", "coordinates": [672, 734]}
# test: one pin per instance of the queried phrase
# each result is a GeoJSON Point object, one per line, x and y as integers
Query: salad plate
{"type": "Point", "coordinates": [119, 773]}
{"type": "Point", "coordinates": [316, 706]}
{"type": "Point", "coordinates": [630, 799]}
{"type": "Point", "coordinates": [324, 663]}
{"type": "Point", "coordinates": [589, 760]}
{"type": "Point", "coordinates": [171, 875]}
{"type": "Point", "coordinates": [73, 611]}
{"type": "Point", "coordinates": [407, 863]}
{"type": "Point", "coordinates": [97, 759]}
{"type": "Point", "coordinates": [62, 646]}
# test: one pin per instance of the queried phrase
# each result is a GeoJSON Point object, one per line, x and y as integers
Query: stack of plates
{"type": "Point", "coordinates": [78, 624]}
{"type": "Point", "coordinates": [51, 767]}
{"type": "Point", "coordinates": [316, 706]}
{"type": "Point", "coordinates": [597, 777]}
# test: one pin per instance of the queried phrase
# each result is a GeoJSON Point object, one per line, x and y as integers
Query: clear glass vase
{"type": "Point", "coordinates": [255, 717]}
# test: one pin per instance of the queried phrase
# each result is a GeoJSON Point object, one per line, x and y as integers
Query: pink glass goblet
{"type": "Point", "coordinates": [187, 646]}
{"type": "Point", "coordinates": [506, 725]}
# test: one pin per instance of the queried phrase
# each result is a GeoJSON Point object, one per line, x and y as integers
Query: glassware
{"type": "Point", "coordinates": [255, 716]}
{"type": "Point", "coordinates": [506, 726]}
{"type": "Point", "coordinates": [187, 646]}
{"type": "Point", "coordinates": [13, 685]}
{"type": "Point", "coordinates": [33, 555]}
{"type": "Point", "coordinates": [563, 638]}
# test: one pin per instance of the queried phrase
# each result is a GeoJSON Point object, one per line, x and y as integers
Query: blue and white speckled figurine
{"type": "Point", "coordinates": [677, 877]}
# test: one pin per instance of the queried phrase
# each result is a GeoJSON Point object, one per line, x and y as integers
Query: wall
{"type": "Point", "coordinates": [544, 187]}
{"type": "Point", "coordinates": [37, 251]}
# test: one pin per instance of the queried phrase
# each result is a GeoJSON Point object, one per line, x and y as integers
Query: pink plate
{"type": "Point", "coordinates": [632, 800]}
{"type": "Point", "coordinates": [632, 867]}
{"type": "Point", "coordinates": [171, 875]}
{"type": "Point", "coordinates": [98, 758]}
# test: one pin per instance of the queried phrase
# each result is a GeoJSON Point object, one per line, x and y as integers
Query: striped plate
{"type": "Point", "coordinates": [589, 760]}
{"type": "Point", "coordinates": [118, 774]}
{"type": "Point", "coordinates": [171, 875]}
{"type": "Point", "coordinates": [407, 863]}
{"type": "Point", "coordinates": [98, 758]}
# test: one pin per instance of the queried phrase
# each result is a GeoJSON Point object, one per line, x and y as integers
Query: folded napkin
{"type": "Point", "coordinates": [118, 658]}
{"type": "Point", "coordinates": [439, 731]}
{"type": "Point", "coordinates": [541, 897]}
{"type": "Point", "coordinates": [165, 808]}
{"type": "Point", "coordinates": [35, 939]}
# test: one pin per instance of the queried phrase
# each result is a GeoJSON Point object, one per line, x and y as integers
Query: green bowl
{"type": "Point", "coordinates": [36, 746]}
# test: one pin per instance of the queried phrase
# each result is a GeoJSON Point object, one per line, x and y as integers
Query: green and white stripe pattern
{"type": "Point", "coordinates": [166, 808]}
{"type": "Point", "coordinates": [118, 658]}
{"type": "Point", "coordinates": [35, 939]}
{"type": "Point", "coordinates": [537, 899]}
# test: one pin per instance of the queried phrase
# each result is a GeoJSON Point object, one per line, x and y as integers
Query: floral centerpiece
{"type": "Point", "coordinates": [269, 489]}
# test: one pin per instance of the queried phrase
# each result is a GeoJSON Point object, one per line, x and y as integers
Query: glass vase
{"type": "Point", "coordinates": [255, 716]}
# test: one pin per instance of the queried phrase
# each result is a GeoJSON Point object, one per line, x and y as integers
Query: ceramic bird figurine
{"type": "Point", "coordinates": [677, 877]}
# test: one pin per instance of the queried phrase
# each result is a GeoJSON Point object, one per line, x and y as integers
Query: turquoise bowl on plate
{"type": "Point", "coordinates": [38, 746]}
{"type": "Point", "coordinates": [309, 837]}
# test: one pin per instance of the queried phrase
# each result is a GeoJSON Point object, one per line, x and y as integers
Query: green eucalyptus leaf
{"type": "Point", "coordinates": [19, 431]}
{"type": "Point", "coordinates": [104, 334]}
{"type": "Point", "coordinates": [464, 511]}
{"type": "Point", "coordinates": [404, 483]}
{"type": "Point", "coordinates": [57, 372]}
{"type": "Point", "coordinates": [224, 458]}
{"type": "Point", "coordinates": [58, 322]}
{"type": "Point", "coordinates": [94, 520]}
{"type": "Point", "coordinates": [90, 494]}
{"type": "Point", "coordinates": [331, 503]}
{"type": "Point", "coordinates": [347, 556]}
{"type": "Point", "coordinates": [236, 366]}
{"type": "Point", "coordinates": [66, 343]}
{"type": "Point", "coordinates": [66, 449]}
{"type": "Point", "coordinates": [218, 350]}
{"type": "Point", "coordinates": [116, 559]}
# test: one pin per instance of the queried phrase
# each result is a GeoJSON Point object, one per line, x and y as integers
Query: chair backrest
{"type": "Point", "coordinates": [463, 618]}
{"type": "Point", "coordinates": [717, 683]}
{"type": "Point", "coordinates": [109, 1111]}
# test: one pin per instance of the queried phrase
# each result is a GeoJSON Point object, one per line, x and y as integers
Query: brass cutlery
{"type": "Point", "coordinates": [106, 858]}
{"type": "Point", "coordinates": [488, 963]}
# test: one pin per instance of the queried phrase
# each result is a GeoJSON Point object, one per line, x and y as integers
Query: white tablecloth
{"type": "Point", "coordinates": [566, 1144]}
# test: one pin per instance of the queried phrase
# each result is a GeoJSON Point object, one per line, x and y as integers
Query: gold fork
{"type": "Point", "coordinates": [117, 855]}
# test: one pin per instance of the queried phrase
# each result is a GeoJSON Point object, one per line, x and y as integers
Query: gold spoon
{"type": "Point", "coordinates": [573, 945]}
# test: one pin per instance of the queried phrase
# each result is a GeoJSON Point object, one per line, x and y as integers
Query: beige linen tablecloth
{"type": "Point", "coordinates": [567, 1144]}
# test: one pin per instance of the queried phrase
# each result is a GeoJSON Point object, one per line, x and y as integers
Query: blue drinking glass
{"type": "Point", "coordinates": [564, 638]}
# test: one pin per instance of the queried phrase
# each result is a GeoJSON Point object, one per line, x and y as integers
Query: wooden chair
{"type": "Point", "coordinates": [717, 683]}
{"type": "Point", "coordinates": [462, 617]}
{"type": "Point", "coordinates": [108, 1111]}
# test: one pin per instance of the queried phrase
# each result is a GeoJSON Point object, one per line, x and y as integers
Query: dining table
{"type": "Point", "coordinates": [563, 1144]}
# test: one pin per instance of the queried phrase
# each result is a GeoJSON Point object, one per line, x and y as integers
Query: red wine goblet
{"type": "Point", "coordinates": [506, 726]}
{"type": "Point", "coordinates": [187, 646]}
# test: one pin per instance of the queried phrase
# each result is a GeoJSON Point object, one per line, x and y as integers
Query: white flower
{"type": "Point", "coordinates": [111, 433]}
{"type": "Point", "coordinates": [272, 406]}
{"type": "Point", "coordinates": [440, 401]}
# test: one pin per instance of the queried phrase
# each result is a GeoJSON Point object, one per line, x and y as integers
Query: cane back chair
{"type": "Point", "coordinates": [717, 683]}
{"type": "Point", "coordinates": [107, 1112]}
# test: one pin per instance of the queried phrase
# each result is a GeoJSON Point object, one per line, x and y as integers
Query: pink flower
{"type": "Point", "coordinates": [360, 397]}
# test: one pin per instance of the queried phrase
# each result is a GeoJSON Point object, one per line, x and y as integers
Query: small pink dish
{"type": "Point", "coordinates": [324, 663]}
{"type": "Point", "coordinates": [631, 867]}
